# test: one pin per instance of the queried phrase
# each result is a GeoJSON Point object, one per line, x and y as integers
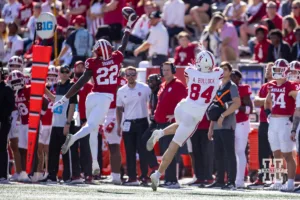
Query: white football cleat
{"type": "Point", "coordinates": [68, 143]}
{"type": "Point", "coordinates": [287, 188]}
{"type": "Point", "coordinates": [154, 181]}
{"type": "Point", "coordinates": [14, 177]}
{"type": "Point", "coordinates": [153, 139]}
{"type": "Point", "coordinates": [96, 168]}
{"type": "Point", "coordinates": [23, 177]}
{"type": "Point", "coordinates": [274, 186]}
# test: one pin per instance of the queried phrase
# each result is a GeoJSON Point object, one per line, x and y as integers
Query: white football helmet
{"type": "Point", "coordinates": [205, 61]}
{"type": "Point", "coordinates": [280, 69]}
{"type": "Point", "coordinates": [294, 71]}
{"type": "Point", "coordinates": [16, 80]}
{"type": "Point", "coordinates": [52, 76]}
{"type": "Point", "coordinates": [15, 63]}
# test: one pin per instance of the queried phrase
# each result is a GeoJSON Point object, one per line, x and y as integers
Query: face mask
{"type": "Point", "coordinates": [78, 75]}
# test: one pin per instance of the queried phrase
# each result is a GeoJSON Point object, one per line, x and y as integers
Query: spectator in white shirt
{"type": "Point", "coordinates": [157, 42]}
{"type": "Point", "coordinates": [142, 27]}
{"type": "Point", "coordinates": [15, 45]}
{"type": "Point", "coordinates": [10, 11]}
{"type": "Point", "coordinates": [173, 16]}
{"type": "Point", "coordinates": [37, 9]}
{"type": "Point", "coordinates": [46, 6]}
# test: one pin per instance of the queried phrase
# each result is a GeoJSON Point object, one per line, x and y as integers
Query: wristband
{"type": "Point", "coordinates": [268, 112]}
{"type": "Point", "coordinates": [247, 109]}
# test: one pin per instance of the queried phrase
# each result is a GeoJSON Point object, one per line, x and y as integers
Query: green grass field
{"type": "Point", "coordinates": [111, 192]}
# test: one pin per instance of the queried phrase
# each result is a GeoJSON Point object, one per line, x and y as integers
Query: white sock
{"type": "Point", "coordinates": [290, 182]}
{"type": "Point", "coordinates": [84, 131]}
{"type": "Point", "coordinates": [161, 133]}
{"type": "Point", "coordinates": [94, 144]}
{"type": "Point", "coordinates": [158, 174]}
{"type": "Point", "coordinates": [115, 176]}
{"type": "Point", "coordinates": [278, 181]}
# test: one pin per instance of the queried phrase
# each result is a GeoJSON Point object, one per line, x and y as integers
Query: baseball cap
{"type": "Point", "coordinates": [65, 68]}
{"type": "Point", "coordinates": [78, 63]}
{"type": "Point", "coordinates": [80, 20]}
{"type": "Point", "coordinates": [155, 15]}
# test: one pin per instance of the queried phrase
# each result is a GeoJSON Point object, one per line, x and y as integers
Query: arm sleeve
{"type": "Point", "coordinates": [119, 100]}
{"type": "Point", "coordinates": [71, 39]}
{"type": "Point", "coordinates": [151, 39]}
{"type": "Point", "coordinates": [234, 92]}
{"type": "Point", "coordinates": [73, 99]}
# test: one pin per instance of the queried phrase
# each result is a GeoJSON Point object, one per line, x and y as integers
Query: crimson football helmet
{"type": "Point", "coordinates": [280, 69]}
{"type": "Point", "coordinates": [15, 63]}
{"type": "Point", "coordinates": [103, 49]}
{"type": "Point", "coordinates": [294, 71]}
{"type": "Point", "coordinates": [52, 76]}
{"type": "Point", "coordinates": [16, 80]}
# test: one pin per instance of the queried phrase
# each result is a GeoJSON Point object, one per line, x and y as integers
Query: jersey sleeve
{"type": "Point", "coordinates": [119, 100]}
{"type": "Point", "coordinates": [88, 64]}
{"type": "Point", "coordinates": [188, 71]}
{"type": "Point", "coordinates": [118, 57]}
{"type": "Point", "coordinates": [298, 100]}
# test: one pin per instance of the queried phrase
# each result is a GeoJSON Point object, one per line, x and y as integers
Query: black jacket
{"type": "Point", "coordinates": [7, 101]}
{"type": "Point", "coordinates": [294, 54]}
{"type": "Point", "coordinates": [285, 52]}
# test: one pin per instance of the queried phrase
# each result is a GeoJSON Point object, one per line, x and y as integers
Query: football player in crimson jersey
{"type": "Point", "coordinates": [104, 69]}
{"type": "Point", "coordinates": [202, 84]}
{"type": "Point", "coordinates": [280, 106]}
{"type": "Point", "coordinates": [22, 94]}
{"type": "Point", "coordinates": [242, 126]}
{"type": "Point", "coordinates": [113, 138]}
{"type": "Point", "coordinates": [46, 125]}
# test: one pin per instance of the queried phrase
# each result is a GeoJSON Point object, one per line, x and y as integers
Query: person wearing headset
{"type": "Point", "coordinates": [171, 92]}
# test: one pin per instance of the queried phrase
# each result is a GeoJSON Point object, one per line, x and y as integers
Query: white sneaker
{"type": "Point", "coordinates": [240, 185]}
{"type": "Point", "coordinates": [23, 177]}
{"type": "Point", "coordinates": [68, 143]}
{"type": "Point", "coordinates": [286, 188]}
{"type": "Point", "coordinates": [154, 181]}
{"type": "Point", "coordinates": [274, 186]}
{"type": "Point", "coordinates": [37, 176]}
{"type": "Point", "coordinates": [96, 168]}
{"type": "Point", "coordinates": [14, 177]}
{"type": "Point", "coordinates": [153, 139]}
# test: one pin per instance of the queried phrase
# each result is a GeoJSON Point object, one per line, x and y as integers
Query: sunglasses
{"type": "Point", "coordinates": [64, 71]}
{"type": "Point", "coordinates": [132, 75]}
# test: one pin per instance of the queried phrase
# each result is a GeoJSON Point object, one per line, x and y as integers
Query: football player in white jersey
{"type": "Point", "coordinates": [203, 83]}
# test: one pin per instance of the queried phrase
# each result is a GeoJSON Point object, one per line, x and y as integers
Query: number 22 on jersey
{"type": "Point", "coordinates": [196, 92]}
{"type": "Point", "coordinates": [107, 76]}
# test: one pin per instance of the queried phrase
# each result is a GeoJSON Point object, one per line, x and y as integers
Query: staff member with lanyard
{"type": "Point", "coordinates": [7, 103]}
{"type": "Point", "coordinates": [133, 98]}
{"type": "Point", "coordinates": [171, 92]}
{"type": "Point", "coordinates": [157, 42]}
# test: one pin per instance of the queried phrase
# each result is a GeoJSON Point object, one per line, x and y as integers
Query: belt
{"type": "Point", "coordinates": [136, 120]}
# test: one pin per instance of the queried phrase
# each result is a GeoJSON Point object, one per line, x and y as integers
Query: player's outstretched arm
{"type": "Point", "coordinates": [80, 83]}
{"type": "Point", "coordinates": [132, 18]}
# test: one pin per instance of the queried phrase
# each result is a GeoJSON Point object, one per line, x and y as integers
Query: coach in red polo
{"type": "Point", "coordinates": [171, 92]}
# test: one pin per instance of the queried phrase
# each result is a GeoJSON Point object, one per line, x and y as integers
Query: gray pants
{"type": "Point", "coordinates": [158, 60]}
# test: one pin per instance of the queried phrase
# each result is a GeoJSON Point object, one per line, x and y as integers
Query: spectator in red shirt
{"type": "Point", "coordinates": [85, 153]}
{"type": "Point", "coordinates": [25, 13]}
{"type": "Point", "coordinates": [289, 24]}
{"type": "Point", "coordinates": [61, 20]}
{"type": "Point", "coordinates": [262, 45]}
{"type": "Point", "coordinates": [296, 11]}
{"type": "Point", "coordinates": [76, 8]}
{"type": "Point", "coordinates": [273, 15]}
{"type": "Point", "coordinates": [171, 92]}
{"type": "Point", "coordinates": [255, 12]}
{"type": "Point", "coordinates": [185, 52]}
{"type": "Point", "coordinates": [113, 17]}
